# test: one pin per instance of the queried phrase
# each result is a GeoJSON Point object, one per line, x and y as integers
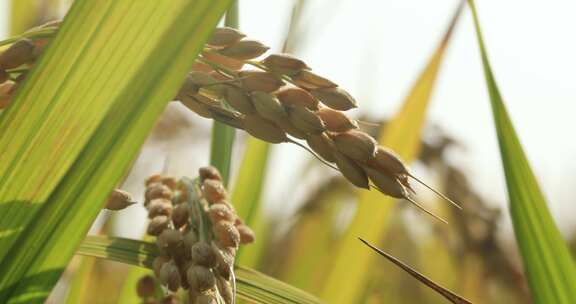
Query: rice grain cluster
{"type": "Point", "coordinates": [197, 233]}
{"type": "Point", "coordinates": [276, 99]}
{"type": "Point", "coordinates": [279, 99]}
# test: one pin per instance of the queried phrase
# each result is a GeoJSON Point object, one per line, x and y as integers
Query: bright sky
{"type": "Point", "coordinates": [375, 49]}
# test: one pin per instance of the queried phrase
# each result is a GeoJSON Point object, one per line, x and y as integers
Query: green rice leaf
{"type": "Point", "coordinates": [547, 262]}
{"type": "Point", "coordinates": [77, 123]}
{"type": "Point", "coordinates": [246, 196]}
{"type": "Point", "coordinates": [223, 135]}
{"type": "Point", "coordinates": [252, 285]}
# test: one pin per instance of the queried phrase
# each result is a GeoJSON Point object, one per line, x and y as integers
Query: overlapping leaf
{"type": "Point", "coordinates": [78, 122]}
{"type": "Point", "coordinates": [251, 284]}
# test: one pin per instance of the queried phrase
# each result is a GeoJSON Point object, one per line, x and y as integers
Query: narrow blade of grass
{"type": "Point", "coordinates": [79, 120]}
{"type": "Point", "coordinates": [223, 136]}
{"type": "Point", "coordinates": [246, 196]}
{"type": "Point", "coordinates": [547, 262]}
{"type": "Point", "coordinates": [221, 149]}
{"type": "Point", "coordinates": [250, 179]}
{"type": "Point", "coordinates": [374, 210]}
{"type": "Point", "coordinates": [450, 296]}
{"type": "Point", "coordinates": [252, 285]}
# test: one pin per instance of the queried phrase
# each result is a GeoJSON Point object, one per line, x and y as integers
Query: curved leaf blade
{"type": "Point", "coordinates": [252, 285]}
{"type": "Point", "coordinates": [371, 220]}
{"type": "Point", "coordinates": [549, 268]}
{"type": "Point", "coordinates": [78, 122]}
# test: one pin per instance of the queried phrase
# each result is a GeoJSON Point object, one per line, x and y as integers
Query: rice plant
{"type": "Point", "coordinates": [80, 96]}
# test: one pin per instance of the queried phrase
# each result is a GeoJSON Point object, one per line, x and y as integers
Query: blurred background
{"type": "Point", "coordinates": [376, 50]}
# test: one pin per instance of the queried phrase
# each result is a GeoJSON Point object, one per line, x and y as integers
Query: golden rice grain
{"type": "Point", "coordinates": [336, 121]}
{"type": "Point", "coordinates": [246, 234]}
{"type": "Point", "coordinates": [209, 172]}
{"type": "Point", "coordinates": [159, 206]}
{"type": "Point", "coordinates": [200, 278]}
{"type": "Point", "coordinates": [221, 212]}
{"type": "Point", "coordinates": [335, 98]}
{"type": "Point", "coordinates": [294, 96]}
{"type": "Point", "coordinates": [169, 181]}
{"type": "Point", "coordinates": [153, 179]}
{"type": "Point", "coordinates": [309, 80]}
{"type": "Point", "coordinates": [244, 49]}
{"type": "Point", "coordinates": [239, 100]}
{"type": "Point", "coordinates": [225, 36]}
{"type": "Point", "coordinates": [268, 106]}
{"type": "Point", "coordinates": [284, 64]}
{"type": "Point", "coordinates": [323, 146]}
{"type": "Point", "coordinates": [227, 62]}
{"type": "Point", "coordinates": [263, 129]}
{"type": "Point", "coordinates": [203, 254]}
{"type": "Point", "coordinates": [119, 200]}
{"type": "Point", "coordinates": [169, 239]}
{"type": "Point", "coordinates": [260, 81]}
{"type": "Point", "coordinates": [158, 191]}
{"type": "Point", "coordinates": [289, 128]}
{"type": "Point", "coordinates": [180, 215]}
{"type": "Point", "coordinates": [305, 120]}
{"type": "Point", "coordinates": [146, 286]}
{"type": "Point", "coordinates": [386, 183]}
{"type": "Point", "coordinates": [169, 276]}
{"type": "Point", "coordinates": [351, 170]}
{"type": "Point", "coordinates": [157, 225]}
{"type": "Point", "coordinates": [213, 190]}
{"type": "Point", "coordinates": [355, 144]}
{"type": "Point", "coordinates": [227, 234]}
{"type": "Point", "coordinates": [196, 107]}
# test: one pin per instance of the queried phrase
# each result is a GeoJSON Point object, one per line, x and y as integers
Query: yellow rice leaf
{"type": "Point", "coordinates": [402, 134]}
